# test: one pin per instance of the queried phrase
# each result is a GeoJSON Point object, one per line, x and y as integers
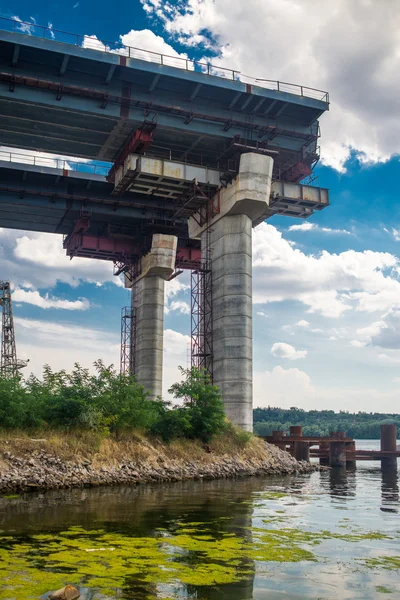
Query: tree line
{"type": "Point", "coordinates": [360, 425]}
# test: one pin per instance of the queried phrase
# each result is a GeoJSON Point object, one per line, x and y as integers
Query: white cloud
{"type": "Point", "coordinates": [25, 27]}
{"type": "Point", "coordinates": [38, 260]}
{"type": "Point", "coordinates": [142, 44]}
{"type": "Point", "coordinates": [303, 323]}
{"type": "Point", "coordinates": [302, 227]}
{"type": "Point", "coordinates": [179, 306]}
{"type": "Point", "coordinates": [50, 26]}
{"type": "Point", "coordinates": [313, 227]}
{"type": "Point", "coordinates": [357, 344]}
{"type": "Point", "coordinates": [47, 301]}
{"type": "Point", "coordinates": [175, 342]}
{"type": "Point", "coordinates": [384, 333]}
{"type": "Point", "coordinates": [62, 344]}
{"type": "Point", "coordinates": [396, 234]}
{"type": "Point", "coordinates": [282, 350]}
{"type": "Point", "coordinates": [341, 50]}
{"type": "Point", "coordinates": [148, 40]}
{"type": "Point", "coordinates": [330, 284]}
{"type": "Point", "coordinates": [293, 387]}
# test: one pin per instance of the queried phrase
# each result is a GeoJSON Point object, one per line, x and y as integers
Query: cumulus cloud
{"type": "Point", "coordinates": [282, 350]}
{"type": "Point", "coordinates": [177, 287]}
{"type": "Point", "coordinates": [38, 260]}
{"type": "Point", "coordinates": [329, 284]}
{"type": "Point", "coordinates": [62, 344]}
{"type": "Point", "coordinates": [341, 50]}
{"type": "Point", "coordinates": [294, 387]}
{"type": "Point", "coordinates": [47, 301]}
{"type": "Point", "coordinates": [303, 323]}
{"type": "Point", "coordinates": [175, 342]}
{"type": "Point", "coordinates": [384, 333]}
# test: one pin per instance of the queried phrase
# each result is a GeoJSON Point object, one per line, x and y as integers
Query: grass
{"type": "Point", "coordinates": [80, 445]}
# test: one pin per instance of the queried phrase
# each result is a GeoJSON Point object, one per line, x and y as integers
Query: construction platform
{"type": "Point", "coordinates": [336, 449]}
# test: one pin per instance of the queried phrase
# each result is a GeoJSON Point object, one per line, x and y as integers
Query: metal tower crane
{"type": "Point", "coordinates": [9, 364]}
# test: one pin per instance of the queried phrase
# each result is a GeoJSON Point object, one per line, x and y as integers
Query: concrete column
{"type": "Point", "coordinates": [242, 204]}
{"type": "Point", "coordinates": [232, 316]}
{"type": "Point", "coordinates": [148, 304]}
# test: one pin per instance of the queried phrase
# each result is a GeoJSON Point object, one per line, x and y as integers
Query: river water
{"type": "Point", "coordinates": [329, 535]}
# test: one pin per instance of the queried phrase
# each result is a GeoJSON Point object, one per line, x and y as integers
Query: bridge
{"type": "Point", "coordinates": [175, 161]}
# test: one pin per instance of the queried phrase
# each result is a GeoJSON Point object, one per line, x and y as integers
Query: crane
{"type": "Point", "coordinates": [9, 364]}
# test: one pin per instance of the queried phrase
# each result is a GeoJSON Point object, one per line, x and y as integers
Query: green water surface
{"type": "Point", "coordinates": [321, 536]}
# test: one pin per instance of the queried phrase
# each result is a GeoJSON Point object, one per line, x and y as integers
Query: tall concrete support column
{"type": "Point", "coordinates": [232, 316]}
{"type": "Point", "coordinates": [242, 204]}
{"type": "Point", "coordinates": [148, 305]}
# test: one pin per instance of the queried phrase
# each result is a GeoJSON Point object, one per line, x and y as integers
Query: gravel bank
{"type": "Point", "coordinates": [35, 464]}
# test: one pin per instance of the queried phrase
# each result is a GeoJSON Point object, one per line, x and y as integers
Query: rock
{"type": "Point", "coordinates": [69, 592]}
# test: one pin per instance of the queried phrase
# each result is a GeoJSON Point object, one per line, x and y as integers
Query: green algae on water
{"type": "Point", "coordinates": [390, 563]}
{"type": "Point", "coordinates": [190, 555]}
{"type": "Point", "coordinates": [382, 589]}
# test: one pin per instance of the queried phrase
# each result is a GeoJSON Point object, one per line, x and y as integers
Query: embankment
{"type": "Point", "coordinates": [78, 460]}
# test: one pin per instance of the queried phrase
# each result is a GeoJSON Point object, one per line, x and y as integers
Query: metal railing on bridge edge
{"type": "Point", "coordinates": [93, 43]}
{"type": "Point", "coordinates": [55, 163]}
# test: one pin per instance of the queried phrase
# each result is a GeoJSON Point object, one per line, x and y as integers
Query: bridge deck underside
{"type": "Point", "coordinates": [89, 107]}
{"type": "Point", "coordinates": [50, 200]}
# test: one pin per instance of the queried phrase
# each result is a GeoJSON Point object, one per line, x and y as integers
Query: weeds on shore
{"type": "Point", "coordinates": [107, 403]}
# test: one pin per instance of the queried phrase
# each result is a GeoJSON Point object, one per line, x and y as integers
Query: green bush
{"type": "Point", "coordinates": [202, 404]}
{"type": "Point", "coordinates": [108, 402]}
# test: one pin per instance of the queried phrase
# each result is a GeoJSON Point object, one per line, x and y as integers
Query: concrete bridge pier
{"type": "Point", "coordinates": [148, 308]}
{"type": "Point", "coordinates": [241, 203]}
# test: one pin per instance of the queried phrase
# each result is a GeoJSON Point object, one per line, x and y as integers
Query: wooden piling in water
{"type": "Point", "coordinates": [337, 454]}
{"type": "Point", "coordinates": [388, 444]}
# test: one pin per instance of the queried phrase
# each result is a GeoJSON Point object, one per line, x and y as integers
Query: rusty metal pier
{"type": "Point", "coordinates": [336, 450]}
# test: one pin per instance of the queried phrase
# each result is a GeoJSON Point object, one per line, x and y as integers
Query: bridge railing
{"type": "Point", "coordinates": [92, 42]}
{"type": "Point", "coordinates": [55, 163]}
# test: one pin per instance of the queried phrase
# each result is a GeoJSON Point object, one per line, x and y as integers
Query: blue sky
{"type": "Point", "coordinates": [326, 291]}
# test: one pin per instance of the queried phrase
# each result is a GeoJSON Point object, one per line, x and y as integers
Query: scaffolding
{"type": "Point", "coordinates": [9, 364]}
{"type": "Point", "coordinates": [201, 310]}
{"type": "Point", "coordinates": [128, 337]}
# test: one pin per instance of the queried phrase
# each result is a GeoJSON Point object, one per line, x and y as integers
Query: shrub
{"type": "Point", "coordinates": [202, 402]}
{"type": "Point", "coordinates": [107, 402]}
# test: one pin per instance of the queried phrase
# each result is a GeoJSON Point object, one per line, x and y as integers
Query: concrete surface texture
{"type": "Point", "coordinates": [231, 262]}
{"type": "Point", "coordinates": [148, 305]}
{"type": "Point", "coordinates": [248, 194]}
{"type": "Point", "coordinates": [232, 316]}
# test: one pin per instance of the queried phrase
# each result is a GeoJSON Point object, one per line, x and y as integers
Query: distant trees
{"type": "Point", "coordinates": [359, 425]}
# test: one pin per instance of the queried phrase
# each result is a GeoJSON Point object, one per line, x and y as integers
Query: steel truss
{"type": "Point", "coordinates": [9, 364]}
{"type": "Point", "coordinates": [128, 340]}
{"type": "Point", "coordinates": [201, 310]}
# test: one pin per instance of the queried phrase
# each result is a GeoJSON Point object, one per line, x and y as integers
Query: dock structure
{"type": "Point", "coordinates": [175, 162]}
{"type": "Point", "coordinates": [337, 450]}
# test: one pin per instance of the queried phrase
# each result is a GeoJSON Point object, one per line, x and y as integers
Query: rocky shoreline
{"type": "Point", "coordinates": [38, 467]}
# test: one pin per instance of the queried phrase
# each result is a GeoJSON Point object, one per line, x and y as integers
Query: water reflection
{"type": "Point", "coordinates": [342, 483]}
{"type": "Point", "coordinates": [390, 489]}
{"type": "Point", "coordinates": [296, 511]}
